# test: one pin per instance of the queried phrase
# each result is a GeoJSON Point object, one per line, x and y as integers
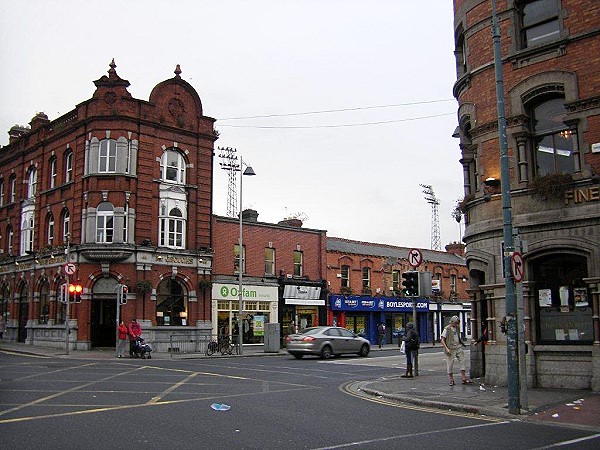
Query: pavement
{"type": "Point", "coordinates": [577, 408]}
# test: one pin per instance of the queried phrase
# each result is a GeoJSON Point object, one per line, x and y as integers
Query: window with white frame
{"type": "Point", "coordinates": [107, 162]}
{"type": "Point", "coordinates": [68, 166]}
{"type": "Point", "coordinates": [269, 261]}
{"type": "Point", "coordinates": [366, 278]}
{"type": "Point", "coordinates": [50, 229]}
{"type": "Point", "coordinates": [13, 188]}
{"type": "Point", "coordinates": [9, 239]}
{"type": "Point", "coordinates": [298, 263]}
{"type": "Point", "coordinates": [345, 279]}
{"type": "Point", "coordinates": [27, 233]}
{"type": "Point", "coordinates": [1, 192]}
{"type": "Point", "coordinates": [105, 223]}
{"type": "Point", "coordinates": [52, 173]}
{"type": "Point", "coordinates": [172, 167]}
{"type": "Point", "coordinates": [31, 182]}
{"type": "Point", "coordinates": [172, 226]}
{"type": "Point", "coordinates": [66, 226]}
{"type": "Point", "coordinates": [126, 223]}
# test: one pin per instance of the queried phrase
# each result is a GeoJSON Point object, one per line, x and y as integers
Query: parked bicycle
{"type": "Point", "coordinates": [222, 345]}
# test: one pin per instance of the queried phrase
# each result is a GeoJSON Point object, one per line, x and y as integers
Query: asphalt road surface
{"type": "Point", "coordinates": [271, 403]}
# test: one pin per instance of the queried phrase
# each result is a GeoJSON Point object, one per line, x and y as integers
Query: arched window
{"type": "Point", "coordinates": [50, 229]}
{"type": "Point", "coordinates": [68, 166]}
{"type": "Point", "coordinates": [104, 223]}
{"type": "Point", "coordinates": [172, 229]}
{"type": "Point", "coordinates": [172, 167]}
{"type": "Point", "coordinates": [13, 188]}
{"type": "Point", "coordinates": [171, 303]}
{"type": "Point", "coordinates": [44, 302]}
{"type": "Point", "coordinates": [9, 239]}
{"type": "Point", "coordinates": [2, 192]}
{"type": "Point", "coordinates": [66, 226]}
{"type": "Point", "coordinates": [107, 162]}
{"type": "Point", "coordinates": [31, 182]}
{"type": "Point", "coordinates": [27, 233]}
{"type": "Point", "coordinates": [555, 144]}
{"type": "Point", "coordinates": [52, 173]}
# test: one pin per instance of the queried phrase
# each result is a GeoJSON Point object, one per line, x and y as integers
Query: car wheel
{"type": "Point", "coordinates": [364, 350]}
{"type": "Point", "coordinates": [326, 352]}
{"type": "Point", "coordinates": [298, 355]}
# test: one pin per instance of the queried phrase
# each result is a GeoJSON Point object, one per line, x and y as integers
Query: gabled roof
{"type": "Point", "coordinates": [348, 246]}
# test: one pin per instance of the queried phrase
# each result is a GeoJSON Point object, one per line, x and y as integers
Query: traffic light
{"type": "Point", "coordinates": [411, 283]}
{"type": "Point", "coordinates": [122, 291]}
{"type": "Point", "coordinates": [74, 291]}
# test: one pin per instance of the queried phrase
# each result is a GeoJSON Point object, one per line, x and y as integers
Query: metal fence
{"type": "Point", "coordinates": [181, 345]}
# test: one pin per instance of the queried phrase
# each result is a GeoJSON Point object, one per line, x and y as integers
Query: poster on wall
{"type": "Point", "coordinates": [580, 295]}
{"type": "Point", "coordinates": [545, 297]}
{"type": "Point", "coordinates": [259, 325]}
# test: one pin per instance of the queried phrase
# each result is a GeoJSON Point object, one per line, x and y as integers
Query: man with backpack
{"type": "Point", "coordinates": [411, 345]}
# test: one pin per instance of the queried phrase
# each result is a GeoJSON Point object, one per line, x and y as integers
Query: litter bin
{"type": "Point", "coordinates": [272, 337]}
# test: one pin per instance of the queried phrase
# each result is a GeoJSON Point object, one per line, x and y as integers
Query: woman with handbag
{"type": "Point", "coordinates": [411, 344]}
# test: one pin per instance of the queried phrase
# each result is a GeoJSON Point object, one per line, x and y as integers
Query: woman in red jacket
{"type": "Point", "coordinates": [122, 340]}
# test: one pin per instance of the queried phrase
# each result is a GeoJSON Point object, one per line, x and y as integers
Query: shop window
{"type": "Point", "coordinates": [171, 304]}
{"type": "Point", "coordinates": [562, 300]}
{"type": "Point", "coordinates": [345, 280]}
{"type": "Point", "coordinates": [298, 262]}
{"type": "Point", "coordinates": [539, 22]}
{"type": "Point", "coordinates": [555, 144]}
{"type": "Point", "coordinates": [269, 261]}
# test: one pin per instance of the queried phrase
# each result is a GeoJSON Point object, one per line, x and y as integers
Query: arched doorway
{"type": "Point", "coordinates": [23, 312]}
{"type": "Point", "coordinates": [104, 313]}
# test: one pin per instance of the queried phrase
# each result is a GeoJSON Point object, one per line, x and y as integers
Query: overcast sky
{"type": "Point", "coordinates": [375, 76]}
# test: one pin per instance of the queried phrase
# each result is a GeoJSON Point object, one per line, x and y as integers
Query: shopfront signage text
{"type": "Point", "coordinates": [590, 194]}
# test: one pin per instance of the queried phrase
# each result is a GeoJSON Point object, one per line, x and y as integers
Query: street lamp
{"type": "Point", "coordinates": [247, 171]}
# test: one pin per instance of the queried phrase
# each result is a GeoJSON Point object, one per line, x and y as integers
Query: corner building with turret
{"type": "Point", "coordinates": [550, 65]}
{"type": "Point", "coordinates": [117, 191]}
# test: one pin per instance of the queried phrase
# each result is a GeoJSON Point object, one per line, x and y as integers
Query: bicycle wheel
{"type": "Point", "coordinates": [226, 348]}
{"type": "Point", "coordinates": [211, 348]}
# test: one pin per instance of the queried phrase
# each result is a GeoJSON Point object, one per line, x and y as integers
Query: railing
{"type": "Point", "coordinates": [181, 345]}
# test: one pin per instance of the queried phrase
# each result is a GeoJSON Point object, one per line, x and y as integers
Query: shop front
{"type": "Point", "coordinates": [303, 307]}
{"type": "Point", "coordinates": [362, 315]}
{"type": "Point", "coordinates": [259, 307]}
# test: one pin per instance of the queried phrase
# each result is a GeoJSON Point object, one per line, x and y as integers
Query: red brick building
{"type": "Point", "coordinates": [365, 284]}
{"type": "Point", "coordinates": [122, 189]}
{"type": "Point", "coordinates": [283, 269]}
{"type": "Point", "coordinates": [550, 64]}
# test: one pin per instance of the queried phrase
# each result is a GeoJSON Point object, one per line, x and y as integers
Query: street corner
{"type": "Point", "coordinates": [581, 411]}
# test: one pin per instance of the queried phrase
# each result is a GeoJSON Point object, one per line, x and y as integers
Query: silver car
{"type": "Point", "coordinates": [326, 342]}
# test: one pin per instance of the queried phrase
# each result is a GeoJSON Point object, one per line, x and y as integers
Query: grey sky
{"type": "Point", "coordinates": [278, 57]}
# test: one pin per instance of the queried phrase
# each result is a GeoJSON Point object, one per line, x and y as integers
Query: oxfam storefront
{"type": "Point", "coordinates": [259, 306]}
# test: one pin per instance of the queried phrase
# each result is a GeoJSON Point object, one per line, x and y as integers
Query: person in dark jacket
{"type": "Point", "coordinates": [411, 344]}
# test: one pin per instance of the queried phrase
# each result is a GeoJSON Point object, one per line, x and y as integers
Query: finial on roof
{"type": "Point", "coordinates": [112, 66]}
{"type": "Point", "coordinates": [177, 71]}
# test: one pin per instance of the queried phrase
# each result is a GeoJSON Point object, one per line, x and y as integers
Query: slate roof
{"type": "Point", "coordinates": [348, 246]}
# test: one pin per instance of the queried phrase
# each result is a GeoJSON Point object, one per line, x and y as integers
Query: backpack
{"type": "Point", "coordinates": [413, 343]}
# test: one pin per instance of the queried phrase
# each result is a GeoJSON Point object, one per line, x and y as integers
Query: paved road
{"type": "Point", "coordinates": [276, 402]}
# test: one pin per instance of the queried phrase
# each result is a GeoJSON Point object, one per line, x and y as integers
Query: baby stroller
{"type": "Point", "coordinates": [142, 349]}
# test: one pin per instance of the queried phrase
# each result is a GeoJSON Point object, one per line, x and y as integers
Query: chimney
{"type": "Point", "coordinates": [250, 215]}
{"type": "Point", "coordinates": [292, 222]}
{"type": "Point", "coordinates": [16, 132]}
{"type": "Point", "coordinates": [456, 248]}
{"type": "Point", "coordinates": [39, 120]}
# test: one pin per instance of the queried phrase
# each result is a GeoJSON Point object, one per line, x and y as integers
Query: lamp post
{"type": "Point", "coordinates": [247, 171]}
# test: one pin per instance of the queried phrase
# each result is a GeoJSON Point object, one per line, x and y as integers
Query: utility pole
{"type": "Point", "coordinates": [510, 298]}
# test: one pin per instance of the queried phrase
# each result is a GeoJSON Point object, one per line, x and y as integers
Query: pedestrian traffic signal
{"type": "Point", "coordinates": [411, 283]}
{"type": "Point", "coordinates": [122, 291]}
{"type": "Point", "coordinates": [74, 291]}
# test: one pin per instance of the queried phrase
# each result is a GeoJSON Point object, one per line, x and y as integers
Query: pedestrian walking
{"type": "Point", "coordinates": [134, 330]}
{"type": "Point", "coordinates": [381, 334]}
{"type": "Point", "coordinates": [122, 340]}
{"type": "Point", "coordinates": [453, 349]}
{"type": "Point", "coordinates": [411, 345]}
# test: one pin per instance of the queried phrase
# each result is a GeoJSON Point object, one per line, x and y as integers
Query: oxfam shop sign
{"type": "Point", "coordinates": [249, 292]}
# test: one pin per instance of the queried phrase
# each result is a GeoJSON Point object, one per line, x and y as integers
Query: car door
{"type": "Point", "coordinates": [348, 341]}
{"type": "Point", "coordinates": [335, 339]}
